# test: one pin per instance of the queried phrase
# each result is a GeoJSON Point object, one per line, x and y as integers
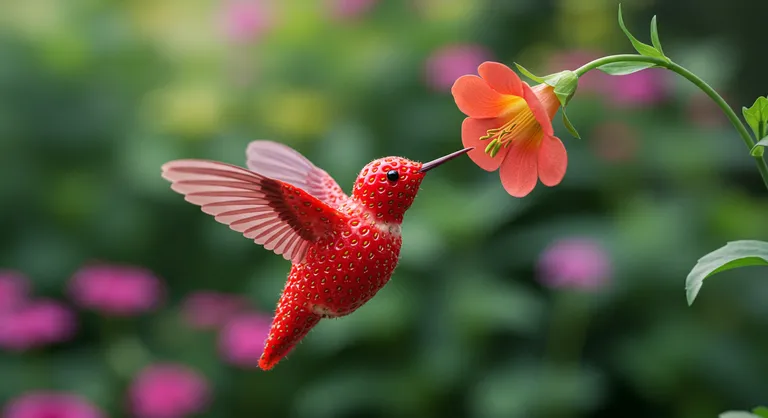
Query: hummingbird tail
{"type": "Point", "coordinates": [292, 322]}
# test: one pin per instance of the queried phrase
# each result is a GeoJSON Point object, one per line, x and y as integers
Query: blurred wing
{"type": "Point", "coordinates": [283, 163]}
{"type": "Point", "coordinates": [277, 215]}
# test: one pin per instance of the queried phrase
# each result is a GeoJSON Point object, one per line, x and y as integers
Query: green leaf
{"type": "Point", "coordinates": [624, 67]}
{"type": "Point", "coordinates": [735, 254]}
{"type": "Point", "coordinates": [655, 36]}
{"type": "Point", "coordinates": [757, 117]}
{"type": "Point", "coordinates": [641, 48]}
{"type": "Point", "coordinates": [565, 84]}
{"type": "Point", "coordinates": [529, 74]}
{"type": "Point", "coordinates": [759, 412]}
{"type": "Point", "coordinates": [759, 149]}
{"type": "Point", "coordinates": [737, 414]}
{"type": "Point", "coordinates": [569, 126]}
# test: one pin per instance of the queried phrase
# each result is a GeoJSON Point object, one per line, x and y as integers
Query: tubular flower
{"type": "Point", "coordinates": [509, 124]}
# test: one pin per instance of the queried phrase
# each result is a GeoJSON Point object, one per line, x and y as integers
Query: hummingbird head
{"type": "Point", "coordinates": [387, 186]}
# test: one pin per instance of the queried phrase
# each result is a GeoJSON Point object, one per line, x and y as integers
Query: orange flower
{"type": "Point", "coordinates": [510, 127]}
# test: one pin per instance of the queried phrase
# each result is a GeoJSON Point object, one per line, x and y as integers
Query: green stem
{"type": "Point", "coordinates": [693, 78]}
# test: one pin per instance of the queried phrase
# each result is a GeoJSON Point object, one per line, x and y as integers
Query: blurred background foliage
{"type": "Point", "coordinates": [95, 95]}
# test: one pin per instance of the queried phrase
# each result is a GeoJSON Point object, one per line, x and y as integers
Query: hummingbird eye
{"type": "Point", "coordinates": [393, 175]}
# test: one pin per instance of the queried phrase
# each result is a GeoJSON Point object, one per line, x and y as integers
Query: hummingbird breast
{"type": "Point", "coordinates": [346, 269]}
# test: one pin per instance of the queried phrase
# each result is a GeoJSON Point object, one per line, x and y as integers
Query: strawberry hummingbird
{"type": "Point", "coordinates": [343, 249]}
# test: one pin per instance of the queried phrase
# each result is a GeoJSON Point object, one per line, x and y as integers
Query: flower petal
{"type": "Point", "coordinates": [501, 78]}
{"type": "Point", "coordinates": [539, 112]}
{"type": "Point", "coordinates": [518, 171]}
{"type": "Point", "coordinates": [476, 99]}
{"type": "Point", "coordinates": [547, 98]}
{"type": "Point", "coordinates": [471, 131]}
{"type": "Point", "coordinates": [552, 160]}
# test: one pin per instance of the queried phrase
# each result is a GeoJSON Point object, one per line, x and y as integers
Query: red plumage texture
{"type": "Point", "coordinates": [343, 248]}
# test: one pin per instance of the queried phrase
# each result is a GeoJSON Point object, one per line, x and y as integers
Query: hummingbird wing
{"type": "Point", "coordinates": [281, 217]}
{"type": "Point", "coordinates": [281, 162]}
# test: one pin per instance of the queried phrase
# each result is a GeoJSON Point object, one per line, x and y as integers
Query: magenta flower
{"type": "Point", "coordinates": [168, 391]}
{"type": "Point", "coordinates": [642, 88]}
{"type": "Point", "coordinates": [349, 9]}
{"type": "Point", "coordinates": [14, 290]}
{"type": "Point", "coordinates": [207, 310]}
{"type": "Point", "coordinates": [242, 339]}
{"type": "Point", "coordinates": [35, 324]}
{"type": "Point", "coordinates": [245, 21]}
{"type": "Point", "coordinates": [615, 142]}
{"type": "Point", "coordinates": [116, 290]}
{"type": "Point", "coordinates": [578, 263]}
{"type": "Point", "coordinates": [448, 63]}
{"type": "Point", "coordinates": [51, 405]}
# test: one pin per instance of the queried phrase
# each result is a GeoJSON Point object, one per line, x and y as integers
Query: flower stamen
{"type": "Point", "coordinates": [500, 134]}
{"type": "Point", "coordinates": [493, 148]}
{"type": "Point", "coordinates": [523, 123]}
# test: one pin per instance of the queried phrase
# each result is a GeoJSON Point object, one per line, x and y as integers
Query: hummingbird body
{"type": "Point", "coordinates": [343, 248]}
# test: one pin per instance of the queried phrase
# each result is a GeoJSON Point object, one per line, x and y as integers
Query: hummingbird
{"type": "Point", "coordinates": [343, 249]}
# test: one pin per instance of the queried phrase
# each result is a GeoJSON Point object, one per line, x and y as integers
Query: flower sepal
{"type": "Point", "coordinates": [565, 84]}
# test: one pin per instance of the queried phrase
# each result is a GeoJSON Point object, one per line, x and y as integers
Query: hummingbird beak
{"type": "Point", "coordinates": [434, 163]}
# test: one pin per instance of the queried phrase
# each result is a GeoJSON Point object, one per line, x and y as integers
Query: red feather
{"type": "Point", "coordinates": [281, 162]}
{"type": "Point", "coordinates": [275, 214]}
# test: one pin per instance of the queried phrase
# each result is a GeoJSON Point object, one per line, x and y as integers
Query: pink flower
{"type": "Point", "coordinates": [450, 62]}
{"type": "Point", "coordinates": [643, 88]}
{"type": "Point", "coordinates": [245, 20]}
{"type": "Point", "coordinates": [242, 340]}
{"type": "Point", "coordinates": [578, 263]}
{"type": "Point", "coordinates": [51, 405]}
{"type": "Point", "coordinates": [350, 9]}
{"type": "Point", "coordinates": [14, 290]}
{"type": "Point", "coordinates": [615, 142]}
{"type": "Point", "coordinates": [206, 310]}
{"type": "Point", "coordinates": [36, 324]}
{"type": "Point", "coordinates": [168, 391]}
{"type": "Point", "coordinates": [116, 290]}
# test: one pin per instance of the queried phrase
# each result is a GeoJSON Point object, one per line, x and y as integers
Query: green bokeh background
{"type": "Point", "coordinates": [95, 95]}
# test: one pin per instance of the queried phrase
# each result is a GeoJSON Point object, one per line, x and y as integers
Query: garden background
{"type": "Point", "coordinates": [567, 303]}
